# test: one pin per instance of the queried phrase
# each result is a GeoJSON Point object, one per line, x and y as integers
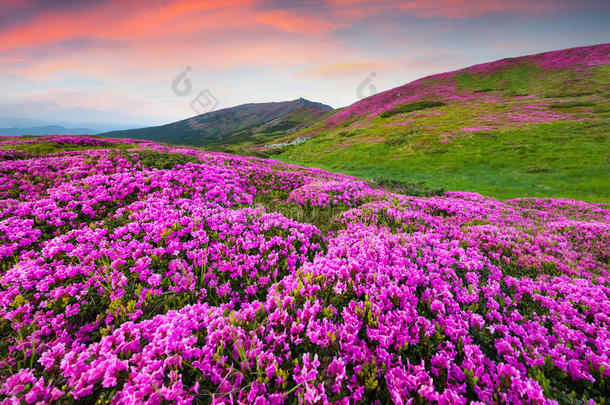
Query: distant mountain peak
{"type": "Point", "coordinates": [46, 130]}
{"type": "Point", "coordinates": [304, 101]}
{"type": "Point", "coordinates": [256, 122]}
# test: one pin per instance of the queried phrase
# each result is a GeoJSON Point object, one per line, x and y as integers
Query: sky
{"type": "Point", "coordinates": [109, 64]}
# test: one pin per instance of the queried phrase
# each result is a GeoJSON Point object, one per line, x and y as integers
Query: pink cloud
{"type": "Point", "coordinates": [453, 9]}
{"type": "Point", "coordinates": [158, 35]}
{"type": "Point", "coordinates": [460, 9]}
{"type": "Point", "coordinates": [290, 21]}
{"type": "Point", "coordinates": [345, 68]}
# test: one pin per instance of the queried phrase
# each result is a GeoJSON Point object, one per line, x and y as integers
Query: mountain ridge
{"type": "Point", "coordinates": [46, 130]}
{"type": "Point", "coordinates": [233, 124]}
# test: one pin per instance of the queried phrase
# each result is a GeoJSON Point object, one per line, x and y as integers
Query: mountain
{"type": "Point", "coordinates": [247, 124]}
{"type": "Point", "coordinates": [46, 130]}
{"type": "Point", "coordinates": [535, 125]}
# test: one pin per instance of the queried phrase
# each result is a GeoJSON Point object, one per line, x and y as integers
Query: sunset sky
{"type": "Point", "coordinates": [110, 64]}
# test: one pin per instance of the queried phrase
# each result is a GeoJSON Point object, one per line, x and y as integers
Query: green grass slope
{"type": "Point", "coordinates": [536, 125]}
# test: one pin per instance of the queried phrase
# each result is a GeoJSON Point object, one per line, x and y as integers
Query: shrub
{"type": "Point", "coordinates": [405, 187]}
{"type": "Point", "coordinates": [401, 137]}
{"type": "Point", "coordinates": [567, 94]}
{"type": "Point", "coordinates": [571, 104]}
{"type": "Point", "coordinates": [418, 105]}
{"type": "Point", "coordinates": [164, 160]}
{"type": "Point", "coordinates": [282, 126]}
{"type": "Point", "coordinates": [536, 169]}
{"type": "Point", "coordinates": [267, 153]}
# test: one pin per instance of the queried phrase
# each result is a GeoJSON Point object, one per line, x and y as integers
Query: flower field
{"type": "Point", "coordinates": [133, 272]}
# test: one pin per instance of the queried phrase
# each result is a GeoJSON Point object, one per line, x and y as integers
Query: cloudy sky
{"type": "Point", "coordinates": [111, 64]}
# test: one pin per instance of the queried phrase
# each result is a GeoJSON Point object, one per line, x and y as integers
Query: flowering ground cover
{"type": "Point", "coordinates": [133, 272]}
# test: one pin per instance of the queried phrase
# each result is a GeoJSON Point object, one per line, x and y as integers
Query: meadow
{"type": "Point", "coordinates": [559, 159]}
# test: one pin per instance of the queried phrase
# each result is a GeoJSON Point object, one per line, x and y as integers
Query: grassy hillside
{"type": "Point", "coordinates": [537, 125]}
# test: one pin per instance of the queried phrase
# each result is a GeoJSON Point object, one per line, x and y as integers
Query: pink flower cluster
{"type": "Point", "coordinates": [125, 284]}
{"type": "Point", "coordinates": [324, 193]}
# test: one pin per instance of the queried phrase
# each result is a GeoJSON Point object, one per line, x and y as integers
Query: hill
{"type": "Point", "coordinates": [244, 124]}
{"type": "Point", "coordinates": [536, 125]}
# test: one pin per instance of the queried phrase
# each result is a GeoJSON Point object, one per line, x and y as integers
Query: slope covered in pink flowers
{"type": "Point", "coordinates": [136, 273]}
{"type": "Point", "coordinates": [549, 68]}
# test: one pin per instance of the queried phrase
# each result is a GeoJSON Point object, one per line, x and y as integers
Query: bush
{"type": "Point", "coordinates": [282, 126]}
{"type": "Point", "coordinates": [267, 153]}
{"type": "Point", "coordinates": [401, 137]}
{"type": "Point", "coordinates": [414, 189]}
{"type": "Point", "coordinates": [536, 169]}
{"type": "Point", "coordinates": [572, 104]}
{"type": "Point", "coordinates": [163, 160]}
{"type": "Point", "coordinates": [418, 105]}
{"type": "Point", "coordinates": [347, 134]}
{"type": "Point", "coordinates": [566, 94]}
{"type": "Point", "coordinates": [512, 93]}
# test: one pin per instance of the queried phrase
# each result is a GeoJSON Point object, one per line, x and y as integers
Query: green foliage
{"type": "Point", "coordinates": [162, 160]}
{"type": "Point", "coordinates": [348, 134]}
{"type": "Point", "coordinates": [569, 94]}
{"type": "Point", "coordinates": [572, 104]}
{"type": "Point", "coordinates": [401, 137]}
{"type": "Point", "coordinates": [282, 126]}
{"type": "Point", "coordinates": [598, 130]}
{"type": "Point", "coordinates": [320, 217]}
{"type": "Point", "coordinates": [559, 386]}
{"type": "Point", "coordinates": [267, 153]}
{"type": "Point", "coordinates": [536, 169]}
{"type": "Point", "coordinates": [419, 189]}
{"type": "Point", "coordinates": [602, 108]}
{"type": "Point", "coordinates": [406, 108]}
